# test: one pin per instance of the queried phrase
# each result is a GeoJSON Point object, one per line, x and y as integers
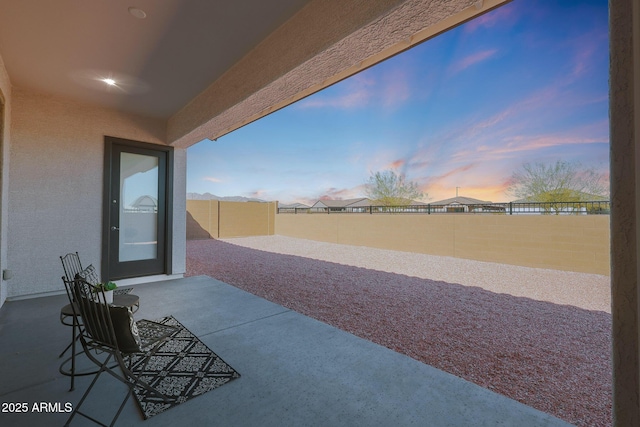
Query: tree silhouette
{"type": "Point", "coordinates": [557, 184]}
{"type": "Point", "coordinates": [391, 189]}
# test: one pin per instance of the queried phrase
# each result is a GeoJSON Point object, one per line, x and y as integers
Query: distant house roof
{"type": "Point", "coordinates": [293, 205]}
{"type": "Point", "coordinates": [145, 202]}
{"type": "Point", "coordinates": [461, 201]}
{"type": "Point", "coordinates": [351, 203]}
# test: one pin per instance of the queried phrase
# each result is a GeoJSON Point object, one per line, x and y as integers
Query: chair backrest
{"type": "Point", "coordinates": [104, 324]}
{"type": "Point", "coordinates": [94, 310]}
{"type": "Point", "coordinates": [71, 265]}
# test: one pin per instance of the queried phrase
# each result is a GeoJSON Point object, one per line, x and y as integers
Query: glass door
{"type": "Point", "coordinates": [136, 211]}
{"type": "Point", "coordinates": [137, 207]}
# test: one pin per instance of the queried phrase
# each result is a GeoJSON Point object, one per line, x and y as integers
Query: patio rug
{"type": "Point", "coordinates": [182, 368]}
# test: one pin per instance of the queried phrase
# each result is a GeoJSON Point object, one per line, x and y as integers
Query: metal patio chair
{"type": "Point", "coordinates": [110, 337]}
{"type": "Point", "coordinates": [72, 266]}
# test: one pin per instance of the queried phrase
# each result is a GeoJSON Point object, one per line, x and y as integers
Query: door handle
{"type": "Point", "coordinates": [114, 228]}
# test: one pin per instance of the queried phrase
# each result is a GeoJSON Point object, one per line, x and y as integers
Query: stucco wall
{"type": "Point", "coordinates": [213, 219]}
{"type": "Point", "coordinates": [624, 111]}
{"type": "Point", "coordinates": [179, 248]}
{"type": "Point", "coordinates": [202, 219]}
{"type": "Point", "coordinates": [246, 219]}
{"type": "Point", "coordinates": [55, 184]}
{"type": "Point", "coordinates": [572, 243]}
{"type": "Point", "coordinates": [5, 143]}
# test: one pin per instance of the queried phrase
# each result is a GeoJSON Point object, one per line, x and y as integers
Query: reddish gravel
{"type": "Point", "coordinates": [555, 358]}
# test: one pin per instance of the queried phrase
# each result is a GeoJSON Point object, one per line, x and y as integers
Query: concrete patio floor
{"type": "Point", "coordinates": [296, 371]}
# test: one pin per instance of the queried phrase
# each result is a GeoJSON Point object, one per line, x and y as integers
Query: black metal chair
{"type": "Point", "coordinates": [72, 266]}
{"type": "Point", "coordinates": [110, 336]}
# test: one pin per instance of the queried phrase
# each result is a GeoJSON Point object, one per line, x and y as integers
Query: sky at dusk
{"type": "Point", "coordinates": [527, 82]}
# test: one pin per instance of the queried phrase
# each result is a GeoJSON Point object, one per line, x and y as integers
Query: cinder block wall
{"type": "Point", "coordinates": [565, 242]}
{"type": "Point", "coordinates": [213, 219]}
{"type": "Point", "coordinates": [202, 219]}
{"type": "Point", "coordinates": [238, 219]}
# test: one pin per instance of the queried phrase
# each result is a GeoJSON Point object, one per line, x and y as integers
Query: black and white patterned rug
{"type": "Point", "coordinates": [181, 369]}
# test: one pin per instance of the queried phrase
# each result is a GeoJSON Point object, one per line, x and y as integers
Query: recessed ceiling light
{"type": "Point", "coordinates": [110, 81]}
{"type": "Point", "coordinates": [137, 13]}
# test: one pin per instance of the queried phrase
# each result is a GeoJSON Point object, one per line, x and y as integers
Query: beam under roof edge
{"type": "Point", "coordinates": [327, 41]}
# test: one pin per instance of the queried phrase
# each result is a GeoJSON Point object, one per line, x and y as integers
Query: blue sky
{"type": "Point", "coordinates": [527, 82]}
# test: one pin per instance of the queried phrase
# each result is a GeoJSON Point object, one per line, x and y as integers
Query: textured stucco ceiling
{"type": "Point", "coordinates": [161, 62]}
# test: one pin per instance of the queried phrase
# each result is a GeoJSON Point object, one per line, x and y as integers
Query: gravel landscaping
{"type": "Point", "coordinates": [541, 337]}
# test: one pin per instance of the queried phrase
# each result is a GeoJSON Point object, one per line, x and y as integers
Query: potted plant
{"type": "Point", "coordinates": [107, 288]}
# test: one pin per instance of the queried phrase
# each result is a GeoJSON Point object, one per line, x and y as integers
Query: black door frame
{"type": "Point", "coordinates": [112, 145]}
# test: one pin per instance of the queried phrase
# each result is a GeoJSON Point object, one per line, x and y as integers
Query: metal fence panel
{"type": "Point", "coordinates": [511, 208]}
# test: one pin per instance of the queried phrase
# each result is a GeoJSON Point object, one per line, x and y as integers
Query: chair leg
{"type": "Point", "coordinates": [76, 410]}
{"type": "Point", "coordinates": [73, 355]}
{"type": "Point", "coordinates": [127, 379]}
{"type": "Point", "coordinates": [64, 351]}
{"type": "Point", "coordinates": [137, 382]}
{"type": "Point", "coordinates": [126, 370]}
{"type": "Point", "coordinates": [74, 337]}
{"type": "Point", "coordinates": [129, 393]}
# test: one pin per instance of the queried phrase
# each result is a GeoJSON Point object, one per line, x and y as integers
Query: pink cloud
{"type": "Point", "coordinates": [356, 99]}
{"type": "Point", "coordinates": [397, 164]}
{"type": "Point", "coordinates": [492, 193]}
{"type": "Point", "coordinates": [594, 133]}
{"type": "Point", "coordinates": [501, 15]}
{"type": "Point", "coordinates": [586, 50]}
{"type": "Point", "coordinates": [545, 141]}
{"type": "Point", "coordinates": [357, 93]}
{"type": "Point", "coordinates": [211, 179]}
{"type": "Point", "coordinates": [446, 180]}
{"type": "Point", "coordinates": [395, 88]}
{"type": "Point", "coordinates": [473, 59]}
{"type": "Point", "coordinates": [482, 181]}
{"type": "Point", "coordinates": [389, 91]}
{"type": "Point", "coordinates": [455, 171]}
{"type": "Point", "coordinates": [506, 129]}
{"type": "Point", "coordinates": [343, 193]}
{"type": "Point", "coordinates": [581, 61]}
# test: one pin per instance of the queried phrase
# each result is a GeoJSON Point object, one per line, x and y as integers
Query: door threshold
{"type": "Point", "coordinates": [146, 279]}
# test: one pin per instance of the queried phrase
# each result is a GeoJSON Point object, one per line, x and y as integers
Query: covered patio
{"type": "Point", "coordinates": [294, 370]}
{"type": "Point", "coordinates": [234, 67]}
